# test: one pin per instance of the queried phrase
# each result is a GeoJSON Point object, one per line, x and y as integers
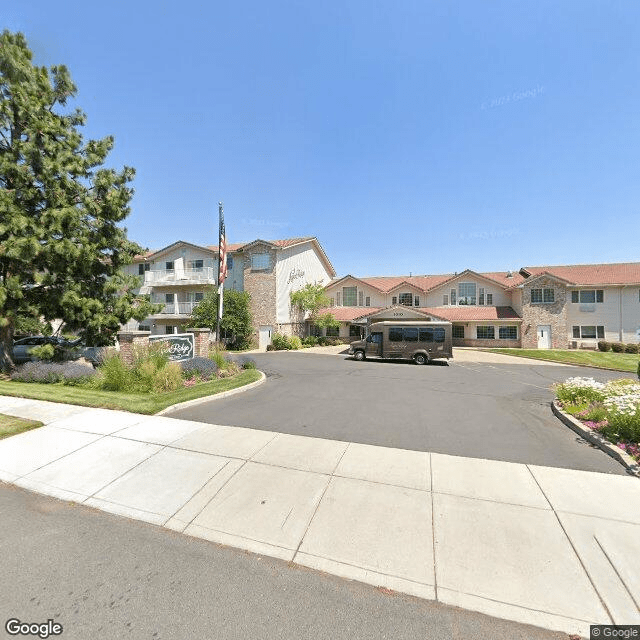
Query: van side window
{"type": "Point", "coordinates": [439, 334]}
{"type": "Point", "coordinates": [396, 334]}
{"type": "Point", "coordinates": [426, 335]}
{"type": "Point", "coordinates": [411, 334]}
{"type": "Point", "coordinates": [376, 337]}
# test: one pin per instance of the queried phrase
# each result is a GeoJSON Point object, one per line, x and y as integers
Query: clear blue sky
{"type": "Point", "coordinates": [408, 136]}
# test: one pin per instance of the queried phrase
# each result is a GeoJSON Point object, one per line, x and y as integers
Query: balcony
{"type": "Point", "coordinates": [156, 277]}
{"type": "Point", "coordinates": [174, 308]}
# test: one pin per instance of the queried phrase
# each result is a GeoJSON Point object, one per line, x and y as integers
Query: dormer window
{"type": "Point", "coordinates": [406, 299]}
{"type": "Point", "coordinates": [467, 293]}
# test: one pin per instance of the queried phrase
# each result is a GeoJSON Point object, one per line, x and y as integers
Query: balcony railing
{"type": "Point", "coordinates": [203, 274]}
{"type": "Point", "coordinates": [176, 308]}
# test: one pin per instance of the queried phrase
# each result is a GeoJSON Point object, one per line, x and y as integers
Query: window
{"type": "Point", "coordinates": [260, 262]}
{"type": "Point", "coordinates": [360, 298]}
{"type": "Point", "coordinates": [406, 299]}
{"type": "Point", "coordinates": [453, 296]}
{"type": "Point", "coordinates": [199, 296]}
{"type": "Point", "coordinates": [467, 293]}
{"type": "Point", "coordinates": [588, 331]}
{"type": "Point", "coordinates": [457, 331]}
{"type": "Point", "coordinates": [548, 295]}
{"type": "Point", "coordinates": [394, 300]}
{"type": "Point", "coordinates": [536, 295]}
{"type": "Point", "coordinates": [333, 331]}
{"type": "Point", "coordinates": [438, 334]}
{"type": "Point", "coordinates": [445, 300]}
{"type": "Point", "coordinates": [229, 263]}
{"type": "Point", "coordinates": [315, 331]}
{"type": "Point", "coordinates": [485, 333]}
{"type": "Point", "coordinates": [587, 296]}
{"type": "Point", "coordinates": [411, 334]}
{"type": "Point", "coordinates": [489, 298]}
{"type": "Point", "coordinates": [367, 301]}
{"type": "Point", "coordinates": [195, 264]}
{"type": "Point", "coordinates": [144, 327]}
{"type": "Point", "coordinates": [416, 301]}
{"type": "Point", "coordinates": [169, 329]}
{"type": "Point", "coordinates": [396, 334]}
{"type": "Point", "coordinates": [169, 265]}
{"type": "Point", "coordinates": [426, 335]}
{"type": "Point", "coordinates": [349, 296]}
{"type": "Point", "coordinates": [143, 267]}
{"type": "Point", "coordinates": [508, 333]}
{"type": "Point", "coordinates": [481, 295]}
{"type": "Point", "coordinates": [355, 331]}
{"type": "Point", "coordinates": [338, 299]}
{"type": "Point", "coordinates": [169, 297]}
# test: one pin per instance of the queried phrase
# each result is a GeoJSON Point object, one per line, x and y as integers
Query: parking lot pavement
{"type": "Point", "coordinates": [470, 407]}
{"type": "Point", "coordinates": [533, 544]}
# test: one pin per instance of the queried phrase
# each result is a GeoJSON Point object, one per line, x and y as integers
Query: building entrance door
{"type": "Point", "coordinates": [264, 337]}
{"type": "Point", "coordinates": [544, 336]}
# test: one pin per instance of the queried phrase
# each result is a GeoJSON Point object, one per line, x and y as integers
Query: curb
{"type": "Point", "coordinates": [218, 396]}
{"type": "Point", "coordinates": [633, 468]}
{"type": "Point", "coordinates": [566, 364]}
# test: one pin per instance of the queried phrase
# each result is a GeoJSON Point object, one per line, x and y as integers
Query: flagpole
{"type": "Point", "coordinates": [221, 257]}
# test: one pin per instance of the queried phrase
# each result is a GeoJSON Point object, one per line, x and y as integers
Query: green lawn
{"type": "Point", "coordinates": [135, 402]}
{"type": "Point", "coordinates": [10, 426]}
{"type": "Point", "coordinates": [599, 359]}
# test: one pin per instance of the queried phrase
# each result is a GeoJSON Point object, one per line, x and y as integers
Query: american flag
{"type": "Point", "coordinates": [222, 248]}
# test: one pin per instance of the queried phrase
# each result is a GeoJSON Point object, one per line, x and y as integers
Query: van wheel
{"type": "Point", "coordinates": [358, 355]}
{"type": "Point", "coordinates": [420, 358]}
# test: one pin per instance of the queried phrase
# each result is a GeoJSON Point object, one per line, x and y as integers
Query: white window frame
{"type": "Point", "coordinates": [404, 295]}
{"type": "Point", "coordinates": [600, 332]}
{"type": "Point", "coordinates": [260, 262]}
{"type": "Point", "coordinates": [445, 300]}
{"type": "Point", "coordinates": [486, 326]}
{"type": "Point", "coordinates": [489, 299]}
{"type": "Point", "coordinates": [508, 326]}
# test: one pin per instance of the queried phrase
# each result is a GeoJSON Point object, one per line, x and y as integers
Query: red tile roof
{"type": "Point", "coordinates": [348, 314]}
{"type": "Point", "coordinates": [283, 243]}
{"type": "Point", "coordinates": [466, 313]}
{"type": "Point", "coordinates": [592, 274]}
{"type": "Point", "coordinates": [387, 283]}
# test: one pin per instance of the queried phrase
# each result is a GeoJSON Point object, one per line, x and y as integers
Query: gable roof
{"type": "Point", "coordinates": [388, 283]}
{"type": "Point", "coordinates": [466, 313]}
{"type": "Point", "coordinates": [284, 243]}
{"type": "Point", "coordinates": [617, 273]}
{"type": "Point", "coordinates": [170, 247]}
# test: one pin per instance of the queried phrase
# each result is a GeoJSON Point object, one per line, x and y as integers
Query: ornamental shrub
{"type": "Point", "coordinates": [74, 373]}
{"type": "Point", "coordinates": [43, 352]}
{"type": "Point", "coordinates": [167, 378]}
{"type": "Point", "coordinates": [310, 341]}
{"type": "Point", "coordinates": [70, 373]}
{"type": "Point", "coordinates": [248, 363]}
{"type": "Point", "coordinates": [204, 367]}
{"type": "Point", "coordinates": [603, 345]}
{"type": "Point", "coordinates": [617, 347]}
{"type": "Point", "coordinates": [280, 342]}
{"type": "Point", "coordinates": [295, 342]}
{"type": "Point", "coordinates": [114, 373]}
{"type": "Point", "coordinates": [631, 348]}
{"type": "Point", "coordinates": [270, 347]}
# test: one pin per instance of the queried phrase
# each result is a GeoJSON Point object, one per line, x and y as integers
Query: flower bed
{"type": "Point", "coordinates": [611, 409]}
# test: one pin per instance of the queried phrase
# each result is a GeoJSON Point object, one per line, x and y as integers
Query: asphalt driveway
{"type": "Point", "coordinates": [496, 409]}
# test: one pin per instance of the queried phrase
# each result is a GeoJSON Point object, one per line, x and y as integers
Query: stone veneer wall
{"type": "Point", "coordinates": [261, 286]}
{"type": "Point", "coordinates": [554, 314]}
{"type": "Point", "coordinates": [292, 329]}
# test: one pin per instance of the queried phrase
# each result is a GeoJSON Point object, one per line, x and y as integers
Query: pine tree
{"type": "Point", "coordinates": [62, 248]}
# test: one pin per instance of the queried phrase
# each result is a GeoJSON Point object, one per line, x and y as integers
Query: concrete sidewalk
{"type": "Point", "coordinates": [551, 547]}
